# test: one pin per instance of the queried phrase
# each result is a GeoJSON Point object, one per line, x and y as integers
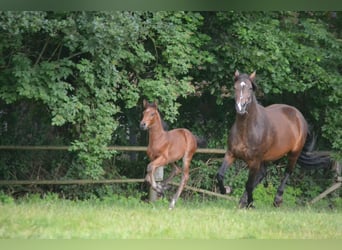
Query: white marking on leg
{"type": "Point", "coordinates": [172, 204]}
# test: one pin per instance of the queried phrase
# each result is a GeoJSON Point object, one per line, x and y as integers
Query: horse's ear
{"type": "Point", "coordinates": [155, 104]}
{"type": "Point", "coordinates": [145, 103]}
{"type": "Point", "coordinates": [252, 77]}
{"type": "Point", "coordinates": [236, 75]}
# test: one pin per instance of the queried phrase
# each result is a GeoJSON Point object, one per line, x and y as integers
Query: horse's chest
{"type": "Point", "coordinates": [155, 150]}
{"type": "Point", "coordinates": [244, 150]}
{"type": "Point", "coordinates": [153, 153]}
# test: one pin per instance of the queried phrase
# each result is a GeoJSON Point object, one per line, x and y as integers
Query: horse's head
{"type": "Point", "coordinates": [149, 115]}
{"type": "Point", "coordinates": [244, 86]}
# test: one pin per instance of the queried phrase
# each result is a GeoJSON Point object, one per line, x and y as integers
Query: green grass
{"type": "Point", "coordinates": [123, 218]}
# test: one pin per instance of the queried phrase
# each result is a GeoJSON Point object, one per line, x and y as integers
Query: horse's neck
{"type": "Point", "coordinates": [252, 118]}
{"type": "Point", "coordinates": [156, 131]}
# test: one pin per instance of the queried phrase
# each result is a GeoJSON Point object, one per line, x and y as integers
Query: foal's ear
{"type": "Point", "coordinates": [155, 104]}
{"type": "Point", "coordinates": [145, 103]}
{"type": "Point", "coordinates": [236, 75]}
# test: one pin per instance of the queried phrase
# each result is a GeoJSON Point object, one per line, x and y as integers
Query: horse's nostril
{"type": "Point", "coordinates": [143, 125]}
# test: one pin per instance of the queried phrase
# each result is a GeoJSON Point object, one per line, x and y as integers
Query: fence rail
{"type": "Point", "coordinates": [129, 149]}
{"type": "Point", "coordinates": [113, 181]}
{"type": "Point", "coordinates": [117, 148]}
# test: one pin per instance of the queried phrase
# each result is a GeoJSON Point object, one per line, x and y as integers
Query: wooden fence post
{"type": "Point", "coordinates": [158, 176]}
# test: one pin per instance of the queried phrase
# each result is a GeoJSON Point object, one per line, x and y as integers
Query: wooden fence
{"type": "Point", "coordinates": [117, 148]}
{"type": "Point", "coordinates": [112, 181]}
{"type": "Point", "coordinates": [336, 186]}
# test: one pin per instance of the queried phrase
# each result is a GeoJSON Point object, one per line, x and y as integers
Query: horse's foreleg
{"type": "Point", "coordinates": [260, 175]}
{"type": "Point", "coordinates": [185, 177]}
{"type": "Point", "coordinates": [255, 175]}
{"type": "Point", "coordinates": [151, 168]}
{"type": "Point", "coordinates": [227, 162]}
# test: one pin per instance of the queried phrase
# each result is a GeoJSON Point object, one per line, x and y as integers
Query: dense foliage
{"type": "Point", "coordinates": [78, 78]}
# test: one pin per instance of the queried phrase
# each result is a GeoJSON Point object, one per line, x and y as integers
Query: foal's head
{"type": "Point", "coordinates": [150, 115]}
{"type": "Point", "coordinates": [244, 86]}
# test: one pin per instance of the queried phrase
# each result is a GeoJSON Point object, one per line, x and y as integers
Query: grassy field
{"type": "Point", "coordinates": [128, 218]}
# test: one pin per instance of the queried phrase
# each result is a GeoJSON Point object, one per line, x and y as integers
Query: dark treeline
{"type": "Point", "coordinates": [79, 78]}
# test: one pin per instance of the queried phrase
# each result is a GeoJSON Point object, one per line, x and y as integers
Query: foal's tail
{"type": "Point", "coordinates": [309, 159]}
{"type": "Point", "coordinates": [201, 142]}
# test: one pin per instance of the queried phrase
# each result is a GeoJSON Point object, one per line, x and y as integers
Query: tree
{"type": "Point", "coordinates": [297, 57]}
{"type": "Point", "coordinates": [87, 67]}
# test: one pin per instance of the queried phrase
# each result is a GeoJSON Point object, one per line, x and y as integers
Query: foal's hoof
{"type": "Point", "coordinates": [172, 204]}
{"type": "Point", "coordinates": [165, 186]}
{"type": "Point", "coordinates": [160, 191]}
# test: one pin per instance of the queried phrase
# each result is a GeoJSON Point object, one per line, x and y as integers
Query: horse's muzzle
{"type": "Point", "coordinates": [143, 126]}
{"type": "Point", "coordinates": [241, 109]}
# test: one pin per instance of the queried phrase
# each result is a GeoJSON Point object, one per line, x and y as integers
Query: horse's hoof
{"type": "Point", "coordinates": [165, 186]}
{"type": "Point", "coordinates": [160, 195]}
{"type": "Point", "coordinates": [246, 205]}
{"type": "Point", "coordinates": [250, 206]}
{"type": "Point", "coordinates": [229, 190]}
{"type": "Point", "coordinates": [277, 204]}
{"type": "Point", "coordinates": [277, 201]}
{"type": "Point", "coordinates": [148, 179]}
{"type": "Point", "coordinates": [242, 205]}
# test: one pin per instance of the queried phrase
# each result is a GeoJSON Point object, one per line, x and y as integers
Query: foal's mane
{"type": "Point", "coordinates": [164, 124]}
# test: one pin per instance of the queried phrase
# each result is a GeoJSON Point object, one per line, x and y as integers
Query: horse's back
{"type": "Point", "coordinates": [289, 125]}
{"type": "Point", "coordinates": [285, 115]}
{"type": "Point", "coordinates": [181, 142]}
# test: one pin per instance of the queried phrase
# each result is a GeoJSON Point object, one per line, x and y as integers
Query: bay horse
{"type": "Point", "coordinates": [263, 134]}
{"type": "Point", "coordinates": [166, 147]}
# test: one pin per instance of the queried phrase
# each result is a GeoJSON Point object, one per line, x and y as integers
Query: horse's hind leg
{"type": "Point", "coordinates": [292, 158]}
{"type": "Point", "coordinates": [185, 177]}
{"type": "Point", "coordinates": [175, 171]}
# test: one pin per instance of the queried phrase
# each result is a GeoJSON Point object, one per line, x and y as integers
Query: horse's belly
{"type": "Point", "coordinates": [273, 156]}
{"type": "Point", "coordinates": [278, 150]}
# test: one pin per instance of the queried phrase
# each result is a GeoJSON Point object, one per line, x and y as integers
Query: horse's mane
{"type": "Point", "coordinates": [164, 124]}
{"type": "Point", "coordinates": [245, 76]}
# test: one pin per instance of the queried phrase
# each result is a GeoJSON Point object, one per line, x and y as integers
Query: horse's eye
{"type": "Point", "coordinates": [152, 114]}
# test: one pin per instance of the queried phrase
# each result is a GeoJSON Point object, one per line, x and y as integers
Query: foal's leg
{"type": "Point", "coordinates": [185, 177]}
{"type": "Point", "coordinates": [288, 171]}
{"type": "Point", "coordinates": [151, 168]}
{"type": "Point", "coordinates": [227, 162]}
{"type": "Point", "coordinates": [175, 171]}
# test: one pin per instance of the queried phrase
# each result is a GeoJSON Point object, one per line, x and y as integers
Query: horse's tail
{"type": "Point", "coordinates": [309, 159]}
{"type": "Point", "coordinates": [201, 142]}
